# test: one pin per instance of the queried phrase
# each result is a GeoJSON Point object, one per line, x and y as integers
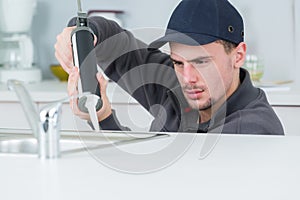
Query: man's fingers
{"type": "Point", "coordinates": [65, 64]}
{"type": "Point", "coordinates": [95, 40]}
{"type": "Point", "coordinates": [76, 111]}
{"type": "Point", "coordinates": [103, 83]}
{"type": "Point", "coordinates": [73, 81]}
{"type": "Point", "coordinates": [63, 50]}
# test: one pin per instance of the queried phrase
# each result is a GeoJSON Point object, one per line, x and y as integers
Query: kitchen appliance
{"type": "Point", "coordinates": [16, 46]}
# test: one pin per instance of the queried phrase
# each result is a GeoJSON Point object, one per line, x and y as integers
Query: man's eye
{"type": "Point", "coordinates": [201, 63]}
{"type": "Point", "coordinates": [177, 64]}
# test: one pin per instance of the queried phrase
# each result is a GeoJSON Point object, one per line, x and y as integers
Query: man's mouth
{"type": "Point", "coordinates": [194, 93]}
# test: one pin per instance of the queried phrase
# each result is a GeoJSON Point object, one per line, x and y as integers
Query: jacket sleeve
{"type": "Point", "coordinates": [112, 123]}
{"type": "Point", "coordinates": [146, 74]}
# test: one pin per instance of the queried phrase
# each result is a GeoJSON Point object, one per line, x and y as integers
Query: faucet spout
{"type": "Point", "coordinates": [30, 109]}
{"type": "Point", "coordinates": [45, 124]}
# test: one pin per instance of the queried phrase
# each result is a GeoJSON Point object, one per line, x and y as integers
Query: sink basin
{"type": "Point", "coordinates": [30, 145]}
{"type": "Point", "coordinates": [15, 142]}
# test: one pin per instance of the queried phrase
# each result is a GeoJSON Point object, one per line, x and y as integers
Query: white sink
{"type": "Point", "coordinates": [14, 141]}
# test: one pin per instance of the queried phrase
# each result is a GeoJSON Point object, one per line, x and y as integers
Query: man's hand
{"type": "Point", "coordinates": [104, 112]}
{"type": "Point", "coordinates": [63, 49]}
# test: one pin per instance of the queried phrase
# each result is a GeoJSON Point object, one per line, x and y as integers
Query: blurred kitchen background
{"type": "Point", "coordinates": [272, 29]}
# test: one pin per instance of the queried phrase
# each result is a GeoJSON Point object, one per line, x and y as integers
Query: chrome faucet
{"type": "Point", "coordinates": [49, 134]}
{"type": "Point", "coordinates": [45, 124]}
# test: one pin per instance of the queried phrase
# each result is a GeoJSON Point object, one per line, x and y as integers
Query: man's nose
{"type": "Point", "coordinates": [190, 73]}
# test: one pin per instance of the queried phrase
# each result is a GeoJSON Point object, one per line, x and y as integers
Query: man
{"type": "Point", "coordinates": [199, 87]}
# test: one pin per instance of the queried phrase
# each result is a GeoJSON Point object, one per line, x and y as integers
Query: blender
{"type": "Point", "coordinates": [16, 46]}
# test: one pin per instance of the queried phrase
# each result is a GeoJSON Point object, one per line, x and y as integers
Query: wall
{"type": "Point", "coordinates": [297, 33]}
{"type": "Point", "coordinates": [270, 33]}
{"type": "Point", "coordinates": [270, 28]}
{"type": "Point", "coordinates": [52, 16]}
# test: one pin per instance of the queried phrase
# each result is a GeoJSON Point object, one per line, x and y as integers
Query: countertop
{"type": "Point", "coordinates": [238, 167]}
{"type": "Point", "coordinates": [51, 90]}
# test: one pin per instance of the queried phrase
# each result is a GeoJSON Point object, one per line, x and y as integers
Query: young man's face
{"type": "Point", "coordinates": [206, 73]}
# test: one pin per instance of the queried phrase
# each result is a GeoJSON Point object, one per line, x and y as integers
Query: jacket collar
{"type": "Point", "coordinates": [244, 94]}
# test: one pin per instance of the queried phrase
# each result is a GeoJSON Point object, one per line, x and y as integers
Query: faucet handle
{"type": "Point", "coordinates": [49, 133]}
{"type": "Point", "coordinates": [53, 107]}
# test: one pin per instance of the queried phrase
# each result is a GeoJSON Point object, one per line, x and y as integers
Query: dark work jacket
{"type": "Point", "coordinates": [148, 76]}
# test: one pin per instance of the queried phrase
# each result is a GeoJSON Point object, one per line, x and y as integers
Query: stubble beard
{"type": "Point", "coordinates": [195, 104]}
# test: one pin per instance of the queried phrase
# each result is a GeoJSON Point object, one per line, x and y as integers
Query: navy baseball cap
{"type": "Point", "coordinates": [199, 22]}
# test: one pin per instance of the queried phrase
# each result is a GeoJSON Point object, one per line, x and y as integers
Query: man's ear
{"type": "Point", "coordinates": [240, 55]}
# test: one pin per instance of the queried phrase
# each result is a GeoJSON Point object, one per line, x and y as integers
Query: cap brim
{"type": "Point", "coordinates": [191, 39]}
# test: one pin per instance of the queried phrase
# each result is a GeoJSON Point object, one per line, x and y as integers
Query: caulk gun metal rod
{"type": "Point", "coordinates": [79, 5]}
